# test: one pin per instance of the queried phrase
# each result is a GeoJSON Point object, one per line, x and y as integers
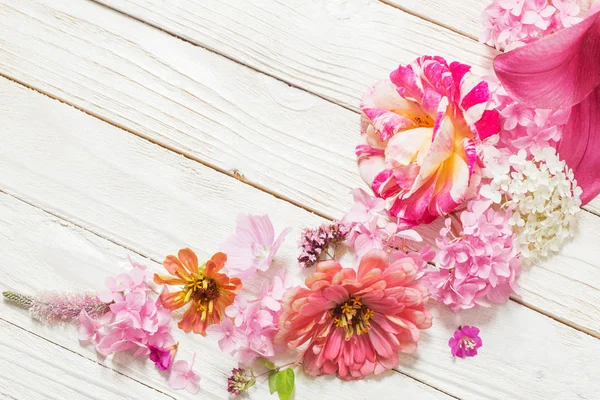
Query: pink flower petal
{"type": "Point", "coordinates": [557, 71]}
{"type": "Point", "coordinates": [580, 145]}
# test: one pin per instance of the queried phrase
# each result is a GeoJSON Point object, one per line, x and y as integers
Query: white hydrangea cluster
{"type": "Point", "coordinates": [544, 199]}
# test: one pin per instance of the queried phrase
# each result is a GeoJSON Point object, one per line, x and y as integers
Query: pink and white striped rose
{"type": "Point", "coordinates": [422, 129]}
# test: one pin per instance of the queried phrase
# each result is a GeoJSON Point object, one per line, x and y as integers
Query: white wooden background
{"type": "Point", "coordinates": [137, 127]}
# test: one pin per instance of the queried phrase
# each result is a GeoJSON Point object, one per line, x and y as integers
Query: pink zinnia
{"type": "Point", "coordinates": [422, 129]}
{"type": "Point", "coordinates": [356, 323]}
{"type": "Point", "coordinates": [465, 342]}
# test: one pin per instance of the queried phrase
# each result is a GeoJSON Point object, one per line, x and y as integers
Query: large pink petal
{"type": "Point", "coordinates": [374, 259]}
{"type": "Point", "coordinates": [580, 145]}
{"type": "Point", "coordinates": [557, 71]}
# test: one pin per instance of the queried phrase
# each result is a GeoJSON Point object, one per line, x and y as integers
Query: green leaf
{"type": "Point", "coordinates": [285, 384]}
{"type": "Point", "coordinates": [268, 364]}
{"type": "Point", "coordinates": [273, 381]}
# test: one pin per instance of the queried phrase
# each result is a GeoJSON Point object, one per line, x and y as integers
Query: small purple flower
{"type": "Point", "coordinates": [240, 381]}
{"type": "Point", "coordinates": [465, 341]}
{"type": "Point", "coordinates": [315, 242]}
{"type": "Point", "coordinates": [162, 358]}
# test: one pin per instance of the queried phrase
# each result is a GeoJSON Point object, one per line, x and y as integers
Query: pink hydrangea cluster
{"type": "Point", "coordinates": [134, 321]}
{"type": "Point", "coordinates": [478, 265]}
{"type": "Point", "coordinates": [252, 324]}
{"type": "Point", "coordinates": [372, 228]}
{"type": "Point", "coordinates": [510, 23]}
{"type": "Point", "coordinates": [525, 127]}
{"type": "Point", "coordinates": [316, 243]}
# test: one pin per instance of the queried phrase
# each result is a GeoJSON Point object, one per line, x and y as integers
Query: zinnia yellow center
{"type": "Point", "coordinates": [203, 291]}
{"type": "Point", "coordinates": [353, 316]}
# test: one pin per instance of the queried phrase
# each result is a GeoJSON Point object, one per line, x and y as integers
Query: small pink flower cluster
{"type": "Point", "coordinates": [252, 324]}
{"type": "Point", "coordinates": [524, 127]}
{"type": "Point", "coordinates": [510, 23]}
{"type": "Point", "coordinates": [478, 265]}
{"type": "Point", "coordinates": [371, 227]}
{"type": "Point", "coordinates": [315, 243]}
{"type": "Point", "coordinates": [136, 322]}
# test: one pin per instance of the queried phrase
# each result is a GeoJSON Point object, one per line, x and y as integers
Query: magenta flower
{"type": "Point", "coordinates": [162, 358]}
{"type": "Point", "coordinates": [562, 71]}
{"type": "Point", "coordinates": [183, 377]}
{"type": "Point", "coordinates": [252, 246]}
{"type": "Point", "coordinates": [465, 341]}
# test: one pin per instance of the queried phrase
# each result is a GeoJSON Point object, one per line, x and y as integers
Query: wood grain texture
{"type": "Point", "coordinates": [188, 99]}
{"type": "Point", "coordinates": [325, 46]}
{"type": "Point", "coordinates": [75, 166]}
{"type": "Point", "coordinates": [462, 16]}
{"type": "Point", "coordinates": [334, 48]}
{"type": "Point", "coordinates": [35, 369]}
{"type": "Point", "coordinates": [278, 137]}
{"type": "Point", "coordinates": [53, 250]}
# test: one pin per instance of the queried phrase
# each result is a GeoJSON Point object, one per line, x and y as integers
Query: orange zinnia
{"type": "Point", "coordinates": [209, 291]}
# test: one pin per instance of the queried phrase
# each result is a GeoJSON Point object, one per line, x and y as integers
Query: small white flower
{"type": "Point", "coordinates": [544, 198]}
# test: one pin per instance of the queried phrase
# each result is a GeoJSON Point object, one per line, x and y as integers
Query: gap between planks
{"type": "Point", "coordinates": [102, 237]}
{"type": "Point", "coordinates": [236, 175]}
{"type": "Point", "coordinates": [215, 51]}
{"type": "Point", "coordinates": [422, 17]}
{"type": "Point", "coordinates": [74, 352]}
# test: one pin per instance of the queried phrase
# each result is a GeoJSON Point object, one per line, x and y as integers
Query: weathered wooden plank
{"type": "Point", "coordinates": [62, 256]}
{"type": "Point", "coordinates": [33, 368]}
{"type": "Point", "coordinates": [461, 16]}
{"type": "Point", "coordinates": [333, 48]}
{"type": "Point", "coordinates": [82, 169]}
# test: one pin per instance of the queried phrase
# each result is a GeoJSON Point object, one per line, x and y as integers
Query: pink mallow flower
{"type": "Point", "coordinates": [465, 342]}
{"type": "Point", "coordinates": [253, 245]}
{"type": "Point", "coordinates": [183, 376]}
{"type": "Point", "coordinates": [477, 265]}
{"type": "Point", "coordinates": [421, 131]}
